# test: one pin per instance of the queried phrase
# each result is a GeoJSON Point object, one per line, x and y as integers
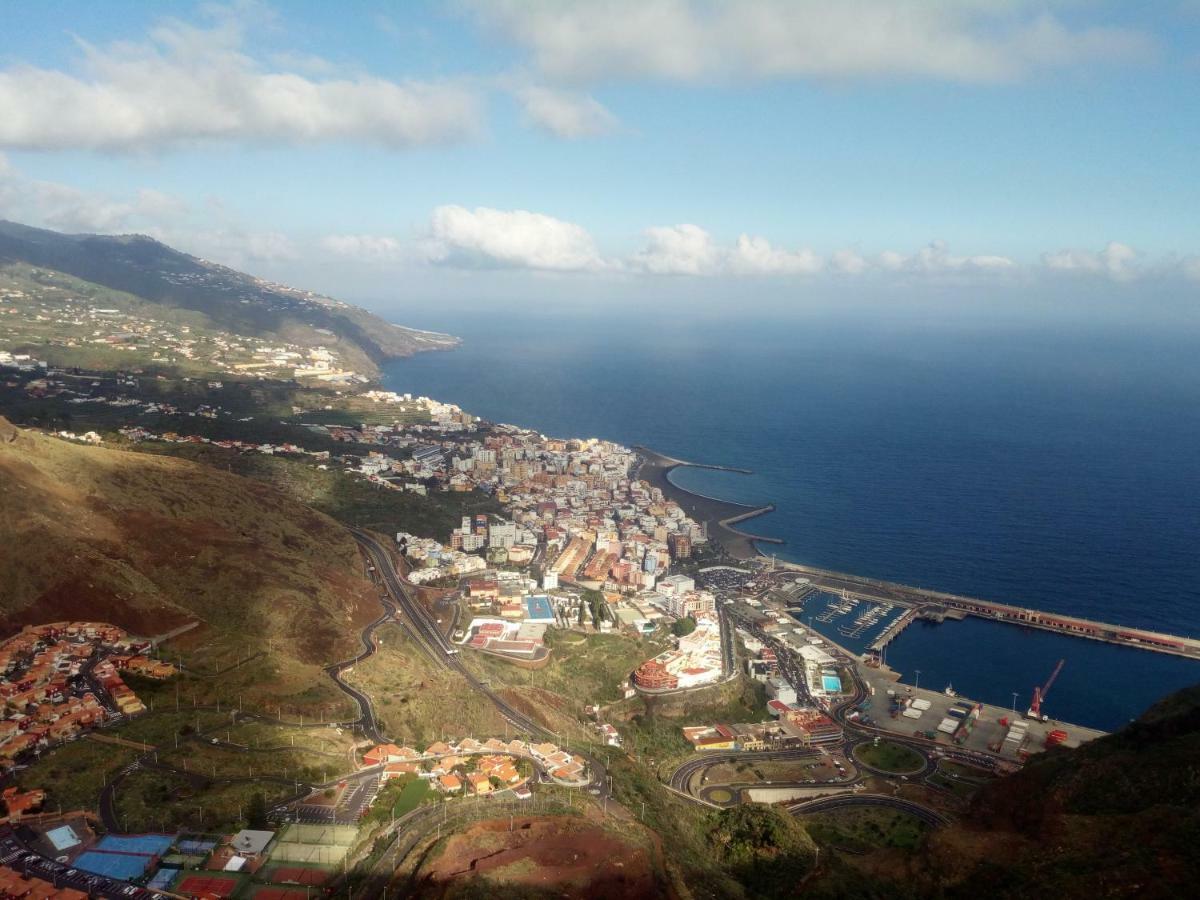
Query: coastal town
{"type": "Point", "coordinates": [43, 308]}
{"type": "Point", "coordinates": [512, 559]}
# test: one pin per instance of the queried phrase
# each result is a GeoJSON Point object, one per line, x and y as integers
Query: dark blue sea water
{"type": "Point", "coordinates": [1052, 467]}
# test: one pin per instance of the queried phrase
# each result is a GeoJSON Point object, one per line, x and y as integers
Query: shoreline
{"type": "Point", "coordinates": [718, 516]}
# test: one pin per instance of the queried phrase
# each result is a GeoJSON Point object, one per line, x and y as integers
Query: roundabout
{"type": "Point", "coordinates": [887, 757]}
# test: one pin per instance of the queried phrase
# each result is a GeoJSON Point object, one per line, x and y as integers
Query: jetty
{"type": "Point", "coordinates": [937, 606]}
{"type": "Point", "coordinates": [719, 517]}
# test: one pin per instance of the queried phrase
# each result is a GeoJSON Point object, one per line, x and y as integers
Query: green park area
{"type": "Point", "coordinates": [888, 756]}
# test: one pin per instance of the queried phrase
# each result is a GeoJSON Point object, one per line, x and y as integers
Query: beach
{"type": "Point", "coordinates": [719, 516]}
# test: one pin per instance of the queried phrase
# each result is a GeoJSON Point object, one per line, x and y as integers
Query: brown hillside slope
{"type": "Point", "coordinates": [1117, 817]}
{"type": "Point", "coordinates": [150, 543]}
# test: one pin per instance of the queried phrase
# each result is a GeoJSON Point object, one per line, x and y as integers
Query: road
{"type": "Point", "coordinates": [421, 628]}
{"type": "Point", "coordinates": [930, 817]}
{"type": "Point", "coordinates": [681, 779]}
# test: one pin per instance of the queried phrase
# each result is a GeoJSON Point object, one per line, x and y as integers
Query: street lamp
{"type": "Point", "coordinates": [918, 684]}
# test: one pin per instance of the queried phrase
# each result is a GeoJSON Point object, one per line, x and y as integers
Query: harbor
{"type": "Point", "coordinates": [938, 606]}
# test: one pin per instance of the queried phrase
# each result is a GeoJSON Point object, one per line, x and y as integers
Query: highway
{"type": "Point", "coordinates": [430, 638]}
{"type": "Point", "coordinates": [422, 629]}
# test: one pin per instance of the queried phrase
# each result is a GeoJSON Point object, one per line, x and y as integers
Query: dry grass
{"type": "Point", "coordinates": [149, 543]}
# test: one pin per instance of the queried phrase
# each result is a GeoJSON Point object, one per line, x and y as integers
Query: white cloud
{"type": "Point", "coordinates": [66, 208]}
{"type": "Point", "coordinates": [231, 245]}
{"type": "Point", "coordinates": [847, 262]}
{"type": "Point", "coordinates": [1190, 266]}
{"type": "Point", "coordinates": [935, 258]}
{"type": "Point", "coordinates": [495, 238]}
{"type": "Point", "coordinates": [1116, 260]}
{"type": "Point", "coordinates": [755, 255]}
{"type": "Point", "coordinates": [690, 250]}
{"type": "Point", "coordinates": [187, 84]}
{"type": "Point", "coordinates": [365, 247]}
{"type": "Point", "coordinates": [564, 114]}
{"type": "Point", "coordinates": [954, 40]}
{"type": "Point", "coordinates": [678, 250]}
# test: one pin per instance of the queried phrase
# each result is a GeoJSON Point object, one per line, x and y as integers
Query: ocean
{"type": "Point", "coordinates": [1055, 468]}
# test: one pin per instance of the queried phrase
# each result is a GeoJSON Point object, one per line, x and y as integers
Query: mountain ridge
{"type": "Point", "coordinates": [234, 301]}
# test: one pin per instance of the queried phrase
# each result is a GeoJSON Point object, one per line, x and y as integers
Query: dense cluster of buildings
{"type": "Point", "coordinates": [448, 765]}
{"type": "Point", "coordinates": [15, 886]}
{"type": "Point", "coordinates": [577, 500]}
{"type": "Point", "coordinates": [64, 678]}
{"type": "Point", "coordinates": [792, 727]}
{"type": "Point", "coordinates": [53, 314]}
{"type": "Point", "coordinates": [695, 661]}
{"type": "Point", "coordinates": [519, 640]}
{"type": "Point", "coordinates": [430, 560]}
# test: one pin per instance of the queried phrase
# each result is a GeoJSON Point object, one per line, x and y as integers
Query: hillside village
{"type": "Point", "coordinates": [47, 309]}
{"type": "Point", "coordinates": [63, 679]}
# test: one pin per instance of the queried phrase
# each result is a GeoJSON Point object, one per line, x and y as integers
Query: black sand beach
{"type": "Point", "coordinates": [719, 515]}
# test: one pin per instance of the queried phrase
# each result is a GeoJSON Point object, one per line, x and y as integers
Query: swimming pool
{"type": "Point", "coordinates": [538, 609]}
{"type": "Point", "coordinates": [832, 684]}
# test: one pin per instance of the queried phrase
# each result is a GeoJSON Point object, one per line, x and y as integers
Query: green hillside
{"type": "Point", "coordinates": [229, 300]}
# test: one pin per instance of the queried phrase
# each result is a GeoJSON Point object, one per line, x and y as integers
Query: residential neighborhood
{"type": "Point", "coordinates": [64, 678]}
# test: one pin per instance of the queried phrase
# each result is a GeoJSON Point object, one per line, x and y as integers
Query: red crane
{"type": "Point", "coordinates": [1039, 694]}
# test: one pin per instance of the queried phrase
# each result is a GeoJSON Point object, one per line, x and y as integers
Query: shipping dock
{"type": "Point", "coordinates": [938, 606]}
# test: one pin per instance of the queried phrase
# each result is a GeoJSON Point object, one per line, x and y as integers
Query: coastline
{"type": "Point", "coordinates": [719, 516]}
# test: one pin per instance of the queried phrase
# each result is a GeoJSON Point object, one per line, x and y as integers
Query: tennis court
{"type": "Point", "coordinates": [328, 854]}
{"type": "Point", "coordinates": [122, 866]}
{"type": "Point", "coordinates": [206, 884]}
{"type": "Point", "coordinates": [320, 834]}
{"type": "Point", "coordinates": [194, 847]}
{"type": "Point", "coordinates": [162, 879]}
{"type": "Point", "coordinates": [297, 875]}
{"type": "Point", "coordinates": [326, 844]}
{"type": "Point", "coordinates": [280, 893]}
{"type": "Point", "coordinates": [145, 844]}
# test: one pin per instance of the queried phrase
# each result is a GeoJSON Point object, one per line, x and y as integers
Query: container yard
{"type": "Point", "coordinates": [959, 721]}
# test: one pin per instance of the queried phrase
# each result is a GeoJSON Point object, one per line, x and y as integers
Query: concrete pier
{"type": "Point", "coordinates": [954, 605]}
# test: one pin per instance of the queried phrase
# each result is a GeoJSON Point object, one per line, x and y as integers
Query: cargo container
{"type": "Point", "coordinates": [957, 713]}
{"type": "Point", "coordinates": [920, 704]}
{"type": "Point", "coordinates": [1054, 738]}
{"type": "Point", "coordinates": [911, 714]}
{"type": "Point", "coordinates": [948, 726]}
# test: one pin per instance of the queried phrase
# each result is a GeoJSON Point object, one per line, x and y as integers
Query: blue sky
{"type": "Point", "coordinates": [615, 145]}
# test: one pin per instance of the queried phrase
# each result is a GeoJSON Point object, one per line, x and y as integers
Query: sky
{"type": "Point", "coordinates": [645, 150]}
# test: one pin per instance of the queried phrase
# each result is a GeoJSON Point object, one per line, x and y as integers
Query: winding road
{"type": "Point", "coordinates": [855, 733]}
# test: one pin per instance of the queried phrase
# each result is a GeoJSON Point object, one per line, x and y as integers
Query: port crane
{"type": "Point", "coordinates": [1039, 694]}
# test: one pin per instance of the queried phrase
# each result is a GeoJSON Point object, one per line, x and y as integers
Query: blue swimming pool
{"type": "Point", "coordinates": [831, 683]}
{"type": "Point", "coordinates": [538, 608]}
